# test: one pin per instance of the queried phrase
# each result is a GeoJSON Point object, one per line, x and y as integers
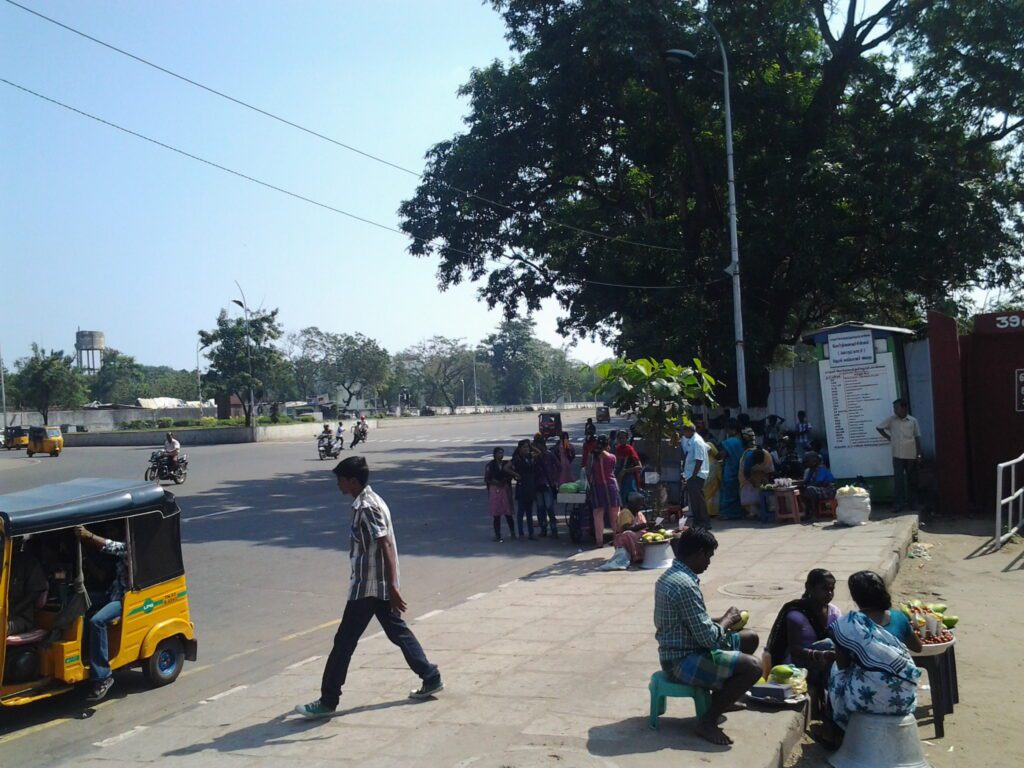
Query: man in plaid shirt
{"type": "Point", "coordinates": [373, 592]}
{"type": "Point", "coordinates": [694, 648]}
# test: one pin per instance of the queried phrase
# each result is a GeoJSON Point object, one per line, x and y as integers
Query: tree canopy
{"type": "Point", "coordinates": [877, 154]}
{"type": "Point", "coordinates": [47, 379]}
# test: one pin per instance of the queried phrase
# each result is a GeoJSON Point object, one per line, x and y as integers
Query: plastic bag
{"type": "Point", "coordinates": [582, 484]}
{"type": "Point", "coordinates": [853, 509]}
{"type": "Point", "coordinates": [619, 561]}
{"type": "Point", "coordinates": [569, 488]}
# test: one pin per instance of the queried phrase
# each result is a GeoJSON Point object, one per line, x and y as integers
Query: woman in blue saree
{"type": "Point", "coordinates": [732, 451]}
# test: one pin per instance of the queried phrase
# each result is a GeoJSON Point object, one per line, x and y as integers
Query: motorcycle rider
{"type": "Point", "coordinates": [171, 450]}
{"type": "Point", "coordinates": [341, 435]}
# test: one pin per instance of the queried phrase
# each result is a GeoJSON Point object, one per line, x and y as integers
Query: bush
{"type": "Point", "coordinates": [208, 421]}
{"type": "Point", "coordinates": [138, 424]}
{"type": "Point", "coordinates": [186, 422]}
{"type": "Point", "coordinates": [307, 419]}
{"type": "Point", "coordinates": [165, 423]}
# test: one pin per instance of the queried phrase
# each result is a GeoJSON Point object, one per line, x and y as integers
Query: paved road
{"type": "Point", "coordinates": [266, 540]}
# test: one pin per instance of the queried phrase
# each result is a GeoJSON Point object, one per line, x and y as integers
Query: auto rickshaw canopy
{"type": "Point", "coordinates": [80, 502]}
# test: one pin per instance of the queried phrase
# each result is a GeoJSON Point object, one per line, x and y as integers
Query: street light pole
{"type": "Point", "coordinates": [199, 377]}
{"type": "Point", "coordinates": [463, 392]}
{"type": "Point", "coordinates": [476, 397]}
{"type": "Point", "coordinates": [3, 392]}
{"type": "Point", "coordinates": [734, 248]}
{"type": "Point", "coordinates": [248, 335]}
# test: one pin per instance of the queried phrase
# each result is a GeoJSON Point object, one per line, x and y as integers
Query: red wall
{"type": "Point", "coordinates": [949, 417]}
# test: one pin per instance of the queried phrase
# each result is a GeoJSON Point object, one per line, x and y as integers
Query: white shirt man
{"type": "Point", "coordinates": [171, 446]}
{"type": "Point", "coordinates": [904, 434]}
{"type": "Point", "coordinates": [695, 472]}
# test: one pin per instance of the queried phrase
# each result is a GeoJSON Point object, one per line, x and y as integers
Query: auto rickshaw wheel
{"type": "Point", "coordinates": [29, 453]}
{"type": "Point", "coordinates": [164, 666]}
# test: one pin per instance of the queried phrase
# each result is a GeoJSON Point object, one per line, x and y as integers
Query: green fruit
{"type": "Point", "coordinates": [782, 672]}
{"type": "Point", "coordinates": [745, 617]}
{"type": "Point", "coordinates": [916, 604]}
{"type": "Point", "coordinates": [937, 607]}
{"type": "Point", "coordinates": [950, 621]}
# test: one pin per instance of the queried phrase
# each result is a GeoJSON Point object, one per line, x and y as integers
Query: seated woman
{"type": "Point", "coordinates": [818, 484]}
{"type": "Point", "coordinates": [632, 525]}
{"type": "Point", "coordinates": [756, 469]}
{"type": "Point", "coordinates": [800, 634]}
{"type": "Point", "coordinates": [874, 672]}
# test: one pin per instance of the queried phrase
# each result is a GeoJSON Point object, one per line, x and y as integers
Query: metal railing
{"type": "Point", "coordinates": [1013, 501]}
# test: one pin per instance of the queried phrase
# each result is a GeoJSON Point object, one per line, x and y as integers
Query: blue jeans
{"type": "Point", "coordinates": [353, 623]}
{"type": "Point", "coordinates": [546, 509]}
{"type": "Point", "coordinates": [99, 649]}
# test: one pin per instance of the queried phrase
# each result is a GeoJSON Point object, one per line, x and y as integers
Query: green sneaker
{"type": "Point", "coordinates": [315, 710]}
{"type": "Point", "coordinates": [428, 689]}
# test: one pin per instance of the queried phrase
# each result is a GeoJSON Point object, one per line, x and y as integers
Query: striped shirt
{"type": "Point", "coordinates": [119, 550]}
{"type": "Point", "coordinates": [371, 522]}
{"type": "Point", "coordinates": [682, 623]}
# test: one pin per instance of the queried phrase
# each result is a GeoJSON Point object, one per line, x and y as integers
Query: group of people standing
{"type": "Point", "coordinates": [530, 480]}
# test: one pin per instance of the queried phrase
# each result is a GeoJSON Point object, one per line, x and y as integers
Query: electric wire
{"type": "Point", "coordinates": [349, 147]}
{"type": "Point", "coordinates": [334, 209]}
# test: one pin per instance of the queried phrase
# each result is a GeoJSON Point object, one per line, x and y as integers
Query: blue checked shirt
{"type": "Point", "coordinates": [683, 626]}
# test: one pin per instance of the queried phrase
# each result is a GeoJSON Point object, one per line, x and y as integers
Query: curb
{"type": "Point", "coordinates": [896, 556]}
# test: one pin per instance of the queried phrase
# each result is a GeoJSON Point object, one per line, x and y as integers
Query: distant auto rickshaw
{"type": "Point", "coordinates": [45, 440]}
{"type": "Point", "coordinates": [154, 630]}
{"type": "Point", "coordinates": [549, 424]}
{"type": "Point", "coordinates": [15, 437]}
{"type": "Point", "coordinates": [604, 415]}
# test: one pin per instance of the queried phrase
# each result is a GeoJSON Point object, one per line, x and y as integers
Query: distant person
{"type": "Point", "coordinates": [171, 449]}
{"type": "Point", "coordinates": [498, 481]}
{"type": "Point", "coordinates": [524, 462]}
{"type": "Point", "coordinates": [732, 451]}
{"type": "Point", "coordinates": [756, 471]}
{"type": "Point", "coordinates": [547, 486]}
{"type": "Point", "coordinates": [696, 470]}
{"type": "Point", "coordinates": [589, 429]}
{"type": "Point", "coordinates": [803, 433]}
{"type": "Point", "coordinates": [566, 454]}
{"type": "Point", "coordinates": [604, 488]}
{"type": "Point", "coordinates": [373, 591]}
{"type": "Point", "coordinates": [818, 484]}
{"type": "Point", "coordinates": [773, 428]}
{"type": "Point", "coordinates": [904, 434]}
{"type": "Point", "coordinates": [627, 467]}
{"type": "Point", "coordinates": [819, 448]}
{"type": "Point", "coordinates": [695, 649]}
{"type": "Point", "coordinates": [589, 446]}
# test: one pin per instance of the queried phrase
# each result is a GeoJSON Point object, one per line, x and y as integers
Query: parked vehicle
{"type": "Point", "coordinates": [604, 415]}
{"type": "Point", "coordinates": [45, 440]}
{"type": "Point", "coordinates": [15, 438]}
{"type": "Point", "coordinates": [155, 629]}
{"type": "Point", "coordinates": [160, 467]}
{"type": "Point", "coordinates": [549, 424]}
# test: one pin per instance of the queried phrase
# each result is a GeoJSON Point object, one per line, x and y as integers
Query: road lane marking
{"type": "Point", "coordinates": [120, 737]}
{"type": "Point", "coordinates": [302, 663]}
{"type": "Point", "coordinates": [193, 670]}
{"type": "Point", "coordinates": [15, 735]}
{"type": "Point", "coordinates": [477, 596]}
{"type": "Point", "coordinates": [225, 694]}
{"type": "Point", "coordinates": [240, 654]}
{"type": "Point", "coordinates": [309, 631]}
{"type": "Point", "coordinates": [429, 614]}
{"type": "Point", "coordinates": [225, 511]}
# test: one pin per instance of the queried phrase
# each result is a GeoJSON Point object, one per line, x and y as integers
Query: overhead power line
{"type": "Point", "coordinates": [336, 142]}
{"type": "Point", "coordinates": [326, 206]}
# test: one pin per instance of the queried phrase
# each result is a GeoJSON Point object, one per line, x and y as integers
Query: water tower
{"type": "Point", "coordinates": [89, 346]}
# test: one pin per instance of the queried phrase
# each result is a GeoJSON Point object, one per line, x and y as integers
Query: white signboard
{"type": "Point", "coordinates": [855, 401]}
{"type": "Point", "coordinates": [851, 349]}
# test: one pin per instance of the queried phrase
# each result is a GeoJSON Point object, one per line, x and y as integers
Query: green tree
{"type": "Point", "coordinates": [47, 379]}
{"type": "Point", "coordinates": [878, 163]}
{"type": "Point", "coordinates": [164, 381]}
{"type": "Point", "coordinates": [516, 359]}
{"type": "Point", "coordinates": [439, 364]}
{"type": "Point", "coordinates": [242, 358]}
{"type": "Point", "coordinates": [120, 379]}
{"type": "Point", "coordinates": [659, 394]}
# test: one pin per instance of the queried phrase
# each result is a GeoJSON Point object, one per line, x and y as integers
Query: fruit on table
{"type": "Point", "coordinates": [937, 607]}
{"type": "Point", "coordinates": [950, 621]}
{"type": "Point", "coordinates": [781, 673]}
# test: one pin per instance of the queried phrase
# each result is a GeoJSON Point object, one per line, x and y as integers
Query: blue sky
{"type": "Point", "coordinates": [102, 231]}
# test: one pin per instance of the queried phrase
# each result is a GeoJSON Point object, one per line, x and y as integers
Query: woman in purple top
{"type": "Point", "coordinates": [800, 633]}
{"type": "Point", "coordinates": [604, 489]}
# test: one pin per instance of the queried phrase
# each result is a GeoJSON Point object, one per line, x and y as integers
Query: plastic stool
{"type": "Point", "coordinates": [880, 741]}
{"type": "Point", "coordinates": [661, 687]}
{"type": "Point", "coordinates": [788, 506]}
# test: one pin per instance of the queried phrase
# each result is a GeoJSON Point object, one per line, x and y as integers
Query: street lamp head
{"type": "Point", "coordinates": [236, 301]}
{"type": "Point", "coordinates": [679, 56]}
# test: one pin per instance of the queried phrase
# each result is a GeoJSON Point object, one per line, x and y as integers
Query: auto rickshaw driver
{"type": "Point", "coordinates": [106, 608]}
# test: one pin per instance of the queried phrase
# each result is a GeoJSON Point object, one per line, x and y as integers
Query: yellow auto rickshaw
{"type": "Point", "coordinates": [45, 440]}
{"type": "Point", "coordinates": [39, 542]}
{"type": "Point", "coordinates": [15, 437]}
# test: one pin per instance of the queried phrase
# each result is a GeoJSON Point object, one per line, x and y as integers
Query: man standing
{"type": "Point", "coordinates": [695, 472]}
{"type": "Point", "coordinates": [694, 649]}
{"type": "Point", "coordinates": [547, 465]}
{"type": "Point", "coordinates": [373, 592]}
{"type": "Point", "coordinates": [106, 608]}
{"type": "Point", "coordinates": [904, 434]}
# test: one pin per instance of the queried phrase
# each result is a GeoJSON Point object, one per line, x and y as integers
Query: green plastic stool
{"type": "Point", "coordinates": [660, 687]}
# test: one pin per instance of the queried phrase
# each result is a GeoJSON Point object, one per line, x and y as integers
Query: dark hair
{"type": "Point", "coordinates": [801, 413]}
{"type": "Point", "coordinates": [694, 540]}
{"type": "Point", "coordinates": [732, 425]}
{"type": "Point", "coordinates": [494, 453]}
{"type": "Point", "coordinates": [817, 445]}
{"type": "Point", "coordinates": [901, 401]}
{"type": "Point", "coordinates": [758, 455]}
{"type": "Point", "coordinates": [602, 441]}
{"type": "Point", "coordinates": [869, 591]}
{"type": "Point", "coordinates": [353, 468]}
{"type": "Point", "coordinates": [565, 435]}
{"type": "Point", "coordinates": [817, 577]}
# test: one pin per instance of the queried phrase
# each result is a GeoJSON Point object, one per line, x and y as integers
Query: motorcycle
{"type": "Point", "coordinates": [359, 434]}
{"type": "Point", "coordinates": [160, 468]}
{"type": "Point", "coordinates": [327, 447]}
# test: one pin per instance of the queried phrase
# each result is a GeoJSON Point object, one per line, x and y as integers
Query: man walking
{"type": "Point", "coordinates": [373, 592]}
{"type": "Point", "coordinates": [695, 649]}
{"type": "Point", "coordinates": [904, 434]}
{"type": "Point", "coordinates": [695, 472]}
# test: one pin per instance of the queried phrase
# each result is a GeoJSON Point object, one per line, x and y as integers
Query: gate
{"type": "Point", "coordinates": [1013, 501]}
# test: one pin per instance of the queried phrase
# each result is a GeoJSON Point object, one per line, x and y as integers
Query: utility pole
{"type": "Point", "coordinates": [199, 378]}
{"type": "Point", "coordinates": [248, 336]}
{"type": "Point", "coordinates": [476, 397]}
{"type": "Point", "coordinates": [3, 389]}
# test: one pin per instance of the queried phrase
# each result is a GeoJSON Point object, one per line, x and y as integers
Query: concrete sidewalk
{"type": "Point", "coordinates": [551, 669]}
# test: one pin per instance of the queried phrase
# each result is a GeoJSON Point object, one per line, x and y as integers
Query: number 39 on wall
{"type": "Point", "coordinates": [1005, 322]}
